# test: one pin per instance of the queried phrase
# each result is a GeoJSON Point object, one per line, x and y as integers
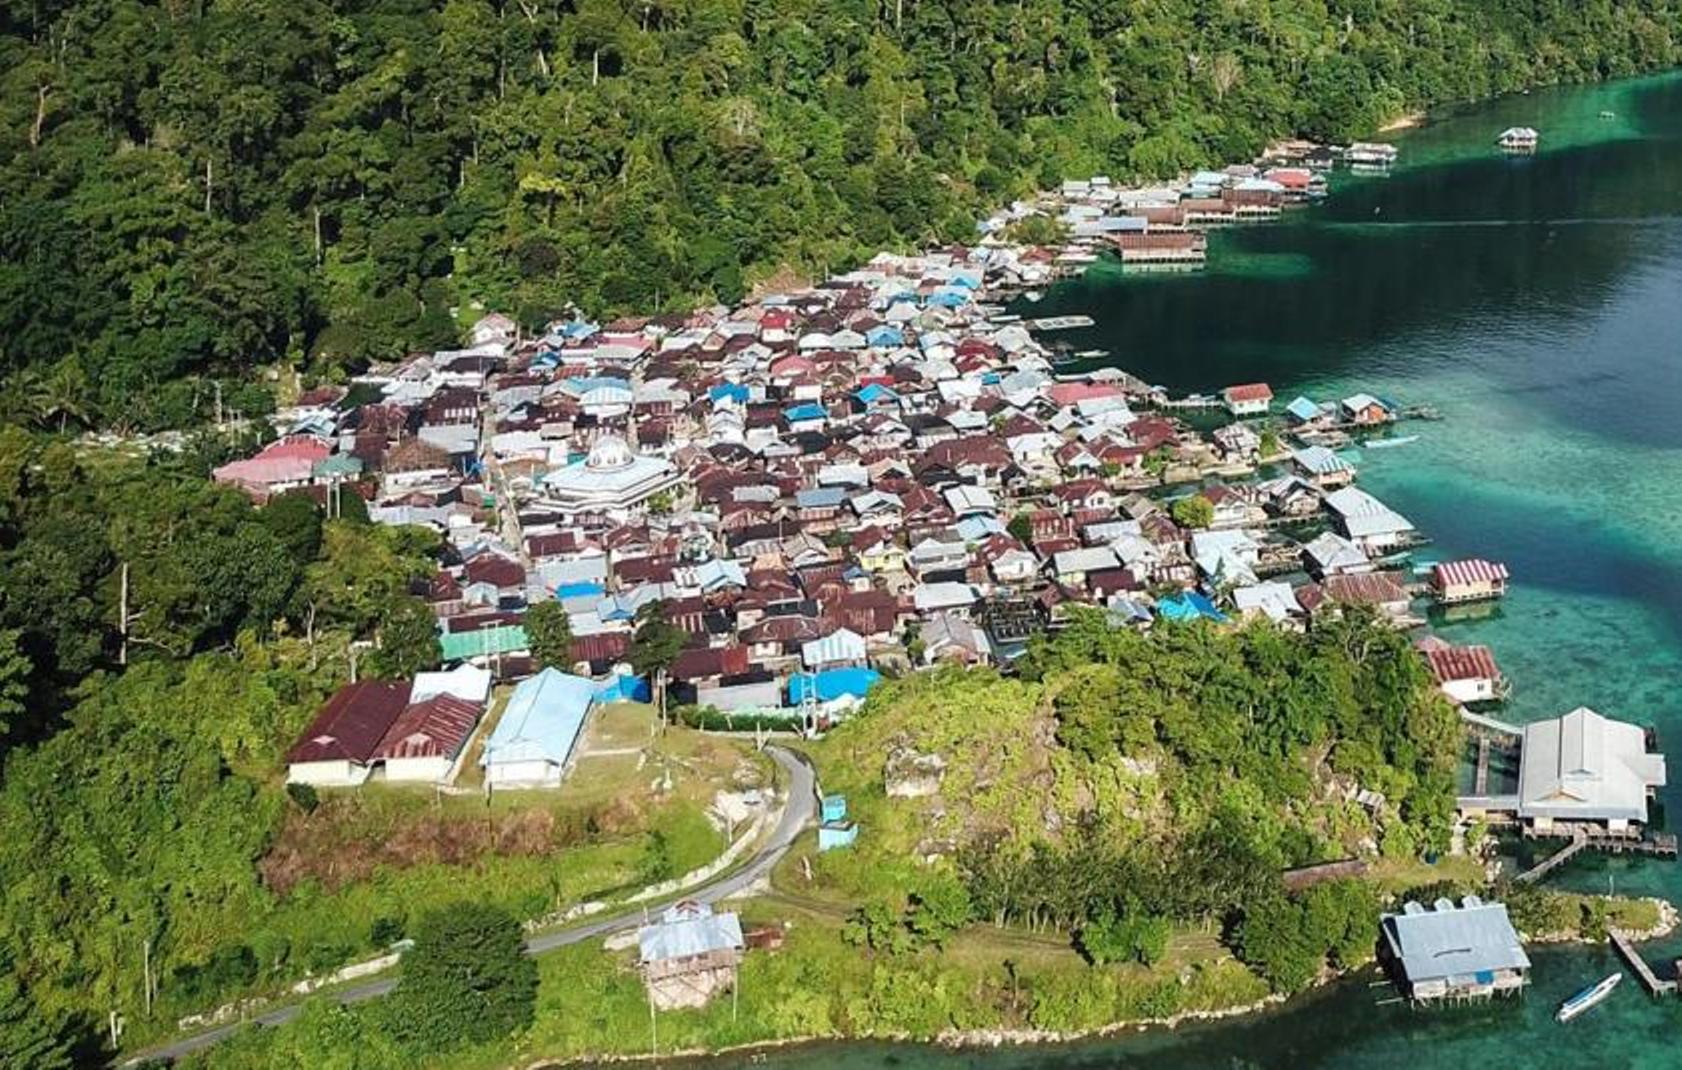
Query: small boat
{"type": "Point", "coordinates": [1386, 443]}
{"type": "Point", "coordinates": [1034, 296]}
{"type": "Point", "coordinates": [1588, 998]}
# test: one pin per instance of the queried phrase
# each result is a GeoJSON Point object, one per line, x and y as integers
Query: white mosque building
{"type": "Point", "coordinates": [612, 480]}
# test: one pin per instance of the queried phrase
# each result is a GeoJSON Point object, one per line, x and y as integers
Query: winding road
{"type": "Point", "coordinates": [798, 812]}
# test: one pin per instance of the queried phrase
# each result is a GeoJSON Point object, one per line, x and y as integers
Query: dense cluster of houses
{"type": "Point", "coordinates": [878, 472]}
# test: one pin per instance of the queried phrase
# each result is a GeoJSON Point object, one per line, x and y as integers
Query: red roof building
{"type": "Point", "coordinates": [339, 746]}
{"type": "Point", "coordinates": [437, 728]}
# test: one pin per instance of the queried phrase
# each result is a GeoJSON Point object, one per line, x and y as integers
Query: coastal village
{"type": "Point", "coordinates": [895, 468]}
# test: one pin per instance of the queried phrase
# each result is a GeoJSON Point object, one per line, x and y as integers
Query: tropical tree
{"type": "Point", "coordinates": [549, 634]}
{"type": "Point", "coordinates": [467, 980]}
{"type": "Point", "coordinates": [28, 1041]}
{"type": "Point", "coordinates": [407, 639]}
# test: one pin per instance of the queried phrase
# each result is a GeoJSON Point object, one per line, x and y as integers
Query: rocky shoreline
{"type": "Point", "coordinates": [1669, 919]}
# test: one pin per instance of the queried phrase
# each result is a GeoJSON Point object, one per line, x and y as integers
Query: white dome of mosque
{"type": "Point", "coordinates": [609, 454]}
{"type": "Point", "coordinates": [613, 476]}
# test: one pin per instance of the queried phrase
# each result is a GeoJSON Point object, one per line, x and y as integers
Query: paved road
{"type": "Point", "coordinates": [799, 811]}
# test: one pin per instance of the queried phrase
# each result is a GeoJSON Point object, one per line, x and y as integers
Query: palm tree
{"type": "Point", "coordinates": [59, 396]}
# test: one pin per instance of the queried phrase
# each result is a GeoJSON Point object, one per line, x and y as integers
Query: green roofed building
{"type": "Point", "coordinates": [461, 646]}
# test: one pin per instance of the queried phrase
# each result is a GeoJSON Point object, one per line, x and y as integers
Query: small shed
{"type": "Point", "coordinates": [835, 830]}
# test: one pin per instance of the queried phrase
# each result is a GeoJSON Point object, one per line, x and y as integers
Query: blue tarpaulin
{"type": "Point", "coordinates": [831, 684]}
{"type": "Point", "coordinates": [625, 689]}
{"type": "Point", "coordinates": [1188, 606]}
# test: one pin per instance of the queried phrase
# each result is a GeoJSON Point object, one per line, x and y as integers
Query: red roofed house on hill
{"type": "Point", "coordinates": [1248, 399]}
{"type": "Point", "coordinates": [338, 749]}
{"type": "Point", "coordinates": [279, 466]}
{"type": "Point", "coordinates": [427, 738]}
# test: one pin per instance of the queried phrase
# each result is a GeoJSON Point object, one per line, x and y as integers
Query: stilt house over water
{"type": "Point", "coordinates": [1449, 952]}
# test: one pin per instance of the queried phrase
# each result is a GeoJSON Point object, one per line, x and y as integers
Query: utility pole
{"type": "Point", "coordinates": [146, 971]}
{"type": "Point", "coordinates": [122, 615]}
{"type": "Point", "coordinates": [653, 1026]}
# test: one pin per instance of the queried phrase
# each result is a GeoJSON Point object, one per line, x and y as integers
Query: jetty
{"type": "Point", "coordinates": [1638, 966]}
{"type": "Point", "coordinates": [1650, 844]}
{"type": "Point", "coordinates": [1553, 861]}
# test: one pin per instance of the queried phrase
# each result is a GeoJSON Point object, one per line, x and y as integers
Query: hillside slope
{"type": "Point", "coordinates": [192, 189]}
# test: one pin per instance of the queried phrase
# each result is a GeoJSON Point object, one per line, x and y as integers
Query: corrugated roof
{"type": "Point", "coordinates": [435, 728]}
{"type": "Point", "coordinates": [352, 723]}
{"type": "Point", "coordinates": [543, 719]}
{"type": "Point", "coordinates": [1584, 766]}
{"type": "Point", "coordinates": [1455, 943]}
{"type": "Point", "coordinates": [1472, 572]}
{"type": "Point", "coordinates": [686, 930]}
{"type": "Point", "coordinates": [1462, 663]}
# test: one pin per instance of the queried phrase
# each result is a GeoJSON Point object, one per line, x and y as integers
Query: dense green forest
{"type": "Point", "coordinates": [199, 187]}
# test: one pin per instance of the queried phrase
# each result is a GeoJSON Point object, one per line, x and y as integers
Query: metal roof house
{"type": "Point", "coordinates": [339, 747]}
{"type": "Point", "coordinates": [539, 729]}
{"type": "Point", "coordinates": [1368, 522]}
{"type": "Point", "coordinates": [689, 955]}
{"type": "Point", "coordinates": [1469, 951]}
{"type": "Point", "coordinates": [1586, 769]}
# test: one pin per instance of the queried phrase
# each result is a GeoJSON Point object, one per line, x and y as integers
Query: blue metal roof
{"type": "Point", "coordinates": [807, 411]}
{"type": "Point", "coordinates": [874, 392]}
{"type": "Point", "coordinates": [579, 590]}
{"type": "Point", "coordinates": [820, 497]}
{"type": "Point", "coordinates": [1303, 409]}
{"type": "Point", "coordinates": [686, 930]}
{"type": "Point", "coordinates": [543, 719]}
{"type": "Point", "coordinates": [728, 391]}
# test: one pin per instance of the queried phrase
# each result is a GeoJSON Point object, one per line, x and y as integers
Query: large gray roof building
{"type": "Point", "coordinates": [1583, 767]}
{"type": "Point", "coordinates": [1449, 951]}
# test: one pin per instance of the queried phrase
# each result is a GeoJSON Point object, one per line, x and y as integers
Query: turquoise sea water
{"type": "Point", "coordinates": [1538, 304]}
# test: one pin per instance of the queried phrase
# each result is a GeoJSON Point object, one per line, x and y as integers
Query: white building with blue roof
{"type": "Point", "coordinates": [538, 732]}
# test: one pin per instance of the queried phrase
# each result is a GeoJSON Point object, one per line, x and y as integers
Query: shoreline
{"type": "Point", "coordinates": [959, 1040]}
{"type": "Point", "coordinates": [1408, 121]}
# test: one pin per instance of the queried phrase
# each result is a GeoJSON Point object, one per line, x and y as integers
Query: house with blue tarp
{"type": "Point", "coordinates": [625, 689]}
{"type": "Point", "coordinates": [832, 685]}
{"type": "Point", "coordinates": [885, 335]}
{"type": "Point", "coordinates": [579, 590]}
{"type": "Point", "coordinates": [538, 731]}
{"type": "Point", "coordinates": [1189, 605]}
{"type": "Point", "coordinates": [728, 394]}
{"type": "Point", "coordinates": [834, 830]}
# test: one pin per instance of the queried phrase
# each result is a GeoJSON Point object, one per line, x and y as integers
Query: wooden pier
{"type": "Point", "coordinates": [1652, 844]}
{"type": "Point", "coordinates": [1638, 965]}
{"type": "Point", "coordinates": [1553, 861]}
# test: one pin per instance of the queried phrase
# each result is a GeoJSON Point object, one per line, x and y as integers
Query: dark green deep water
{"type": "Point", "coordinates": [1538, 303]}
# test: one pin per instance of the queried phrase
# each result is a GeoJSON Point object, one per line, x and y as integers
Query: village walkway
{"type": "Point", "coordinates": [798, 812]}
